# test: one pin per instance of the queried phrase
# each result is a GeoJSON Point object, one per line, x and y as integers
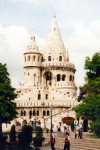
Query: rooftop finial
{"type": "Point", "coordinates": [32, 36]}
{"type": "Point", "coordinates": [54, 15]}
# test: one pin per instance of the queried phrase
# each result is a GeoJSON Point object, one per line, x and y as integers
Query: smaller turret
{"type": "Point", "coordinates": [32, 63]}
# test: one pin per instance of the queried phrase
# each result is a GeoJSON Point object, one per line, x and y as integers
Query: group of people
{"type": "Point", "coordinates": [66, 140]}
{"type": "Point", "coordinates": [78, 129]}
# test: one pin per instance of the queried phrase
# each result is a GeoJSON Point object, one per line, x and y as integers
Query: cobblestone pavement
{"type": "Point", "coordinates": [49, 148]}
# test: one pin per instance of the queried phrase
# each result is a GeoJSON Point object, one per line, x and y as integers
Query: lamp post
{"type": "Point", "coordinates": [51, 116]}
{"type": "Point", "coordinates": [43, 114]}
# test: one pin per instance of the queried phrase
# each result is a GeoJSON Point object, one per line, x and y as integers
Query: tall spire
{"type": "Point", "coordinates": [32, 47]}
{"type": "Point", "coordinates": [54, 41]}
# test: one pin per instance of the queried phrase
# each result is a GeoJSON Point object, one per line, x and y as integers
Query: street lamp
{"type": "Point", "coordinates": [51, 107]}
{"type": "Point", "coordinates": [43, 113]}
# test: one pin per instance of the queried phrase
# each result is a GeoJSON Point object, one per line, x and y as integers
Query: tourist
{"type": "Point", "coordinates": [52, 140]}
{"type": "Point", "coordinates": [67, 142]}
{"type": "Point", "coordinates": [76, 132]}
{"type": "Point", "coordinates": [80, 130]}
{"type": "Point", "coordinates": [64, 127]}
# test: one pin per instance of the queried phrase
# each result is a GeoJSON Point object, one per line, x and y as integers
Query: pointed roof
{"type": "Point", "coordinates": [54, 43]}
{"type": "Point", "coordinates": [32, 47]}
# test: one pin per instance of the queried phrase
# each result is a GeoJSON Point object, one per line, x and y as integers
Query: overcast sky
{"type": "Point", "coordinates": [78, 20]}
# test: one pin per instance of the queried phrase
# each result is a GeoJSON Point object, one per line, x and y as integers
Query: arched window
{"type": "Point", "coordinates": [37, 113]}
{"type": "Point", "coordinates": [49, 58]}
{"type": "Point", "coordinates": [33, 112]}
{"type": "Point", "coordinates": [28, 58]}
{"type": "Point", "coordinates": [39, 96]}
{"type": "Point", "coordinates": [46, 96]}
{"type": "Point", "coordinates": [30, 114]}
{"type": "Point", "coordinates": [21, 113]}
{"type": "Point", "coordinates": [70, 78]}
{"type": "Point", "coordinates": [42, 59]}
{"type": "Point", "coordinates": [63, 77]}
{"type": "Point", "coordinates": [58, 77]}
{"type": "Point", "coordinates": [48, 113]}
{"type": "Point", "coordinates": [44, 113]}
{"type": "Point", "coordinates": [34, 58]}
{"type": "Point", "coordinates": [24, 113]}
{"type": "Point", "coordinates": [60, 58]}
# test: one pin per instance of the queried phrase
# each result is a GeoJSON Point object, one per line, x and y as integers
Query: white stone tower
{"type": "Point", "coordinates": [32, 63]}
{"type": "Point", "coordinates": [49, 80]}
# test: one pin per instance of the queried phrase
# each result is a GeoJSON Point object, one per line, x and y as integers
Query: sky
{"type": "Point", "coordinates": [78, 20]}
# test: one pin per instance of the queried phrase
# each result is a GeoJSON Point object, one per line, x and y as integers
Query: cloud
{"type": "Point", "coordinates": [81, 41]}
{"type": "Point", "coordinates": [13, 42]}
{"type": "Point", "coordinates": [85, 41]}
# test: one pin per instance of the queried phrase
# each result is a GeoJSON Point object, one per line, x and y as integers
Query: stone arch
{"type": "Point", "coordinates": [70, 78]}
{"type": "Point", "coordinates": [58, 77]}
{"type": "Point", "coordinates": [63, 77]}
{"type": "Point", "coordinates": [30, 114]}
{"type": "Point", "coordinates": [60, 58]}
{"type": "Point", "coordinates": [48, 78]}
{"type": "Point", "coordinates": [29, 58]}
{"type": "Point", "coordinates": [49, 58]}
{"type": "Point", "coordinates": [24, 113]}
{"type": "Point", "coordinates": [34, 58]}
{"type": "Point", "coordinates": [44, 113]}
{"type": "Point", "coordinates": [48, 113]}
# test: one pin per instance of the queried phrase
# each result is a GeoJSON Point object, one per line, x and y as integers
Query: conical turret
{"type": "Point", "coordinates": [54, 44]}
{"type": "Point", "coordinates": [32, 47]}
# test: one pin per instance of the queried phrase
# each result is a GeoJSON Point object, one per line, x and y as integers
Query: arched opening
{"type": "Point", "coordinates": [30, 114]}
{"type": "Point", "coordinates": [34, 58]}
{"type": "Point", "coordinates": [28, 58]}
{"type": "Point", "coordinates": [44, 113]}
{"type": "Point", "coordinates": [48, 113]}
{"type": "Point", "coordinates": [48, 78]}
{"type": "Point", "coordinates": [46, 96]}
{"type": "Point", "coordinates": [49, 58]}
{"type": "Point", "coordinates": [39, 96]}
{"type": "Point", "coordinates": [60, 58]}
{"type": "Point", "coordinates": [37, 113]}
{"type": "Point", "coordinates": [70, 78]}
{"type": "Point", "coordinates": [21, 113]}
{"type": "Point", "coordinates": [33, 112]}
{"type": "Point", "coordinates": [24, 113]}
{"type": "Point", "coordinates": [58, 77]}
{"type": "Point", "coordinates": [63, 77]}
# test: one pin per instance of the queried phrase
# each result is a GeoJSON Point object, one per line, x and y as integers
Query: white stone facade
{"type": "Point", "coordinates": [49, 80]}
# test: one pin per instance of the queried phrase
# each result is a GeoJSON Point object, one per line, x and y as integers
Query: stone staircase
{"type": "Point", "coordinates": [87, 143]}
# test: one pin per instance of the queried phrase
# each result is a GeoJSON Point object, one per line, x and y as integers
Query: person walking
{"type": "Point", "coordinates": [80, 130]}
{"type": "Point", "coordinates": [67, 142]}
{"type": "Point", "coordinates": [52, 140]}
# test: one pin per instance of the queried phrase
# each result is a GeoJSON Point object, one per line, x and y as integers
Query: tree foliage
{"type": "Point", "coordinates": [25, 138]}
{"type": "Point", "coordinates": [7, 95]}
{"type": "Point", "coordinates": [89, 96]}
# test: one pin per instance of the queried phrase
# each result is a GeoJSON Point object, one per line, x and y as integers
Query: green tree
{"type": "Point", "coordinates": [89, 96]}
{"type": "Point", "coordinates": [7, 95]}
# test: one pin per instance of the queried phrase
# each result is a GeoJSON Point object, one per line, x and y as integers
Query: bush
{"type": "Point", "coordinates": [39, 137]}
{"type": "Point", "coordinates": [13, 134]}
{"type": "Point", "coordinates": [25, 138]}
{"type": "Point", "coordinates": [95, 127]}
